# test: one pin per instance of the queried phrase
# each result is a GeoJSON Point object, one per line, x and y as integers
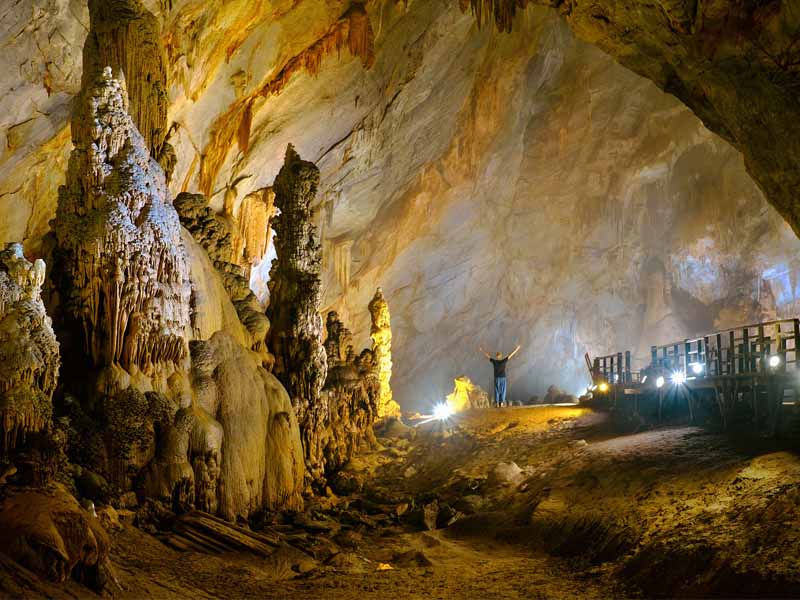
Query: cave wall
{"type": "Point", "coordinates": [500, 188]}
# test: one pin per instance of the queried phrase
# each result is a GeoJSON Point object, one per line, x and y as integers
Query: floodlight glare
{"type": "Point", "coordinates": [660, 382]}
{"type": "Point", "coordinates": [678, 378]}
{"type": "Point", "coordinates": [442, 411]}
{"type": "Point", "coordinates": [697, 368]}
{"type": "Point", "coordinates": [603, 387]}
{"type": "Point", "coordinates": [774, 361]}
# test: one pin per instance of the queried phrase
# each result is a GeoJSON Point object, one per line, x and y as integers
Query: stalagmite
{"type": "Point", "coordinates": [351, 394]}
{"type": "Point", "coordinates": [126, 37]}
{"type": "Point", "coordinates": [295, 336]}
{"type": "Point", "coordinates": [29, 352]}
{"type": "Point", "coordinates": [467, 395]}
{"type": "Point", "coordinates": [381, 334]}
{"type": "Point", "coordinates": [120, 266]}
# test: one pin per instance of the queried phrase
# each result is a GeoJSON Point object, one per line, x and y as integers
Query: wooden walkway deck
{"type": "Point", "coordinates": [749, 374]}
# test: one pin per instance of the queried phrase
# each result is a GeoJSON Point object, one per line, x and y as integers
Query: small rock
{"type": "Point", "coordinates": [506, 474]}
{"type": "Point", "coordinates": [581, 443]}
{"type": "Point", "coordinates": [447, 516]}
{"type": "Point", "coordinates": [412, 558]}
{"type": "Point", "coordinates": [409, 472]}
{"type": "Point", "coordinates": [429, 514]}
{"type": "Point", "coordinates": [384, 567]}
{"type": "Point", "coordinates": [109, 518]}
{"type": "Point", "coordinates": [128, 500]}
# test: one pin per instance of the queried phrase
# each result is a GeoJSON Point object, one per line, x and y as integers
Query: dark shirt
{"type": "Point", "coordinates": [499, 366]}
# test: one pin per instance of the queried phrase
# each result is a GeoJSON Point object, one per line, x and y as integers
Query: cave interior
{"type": "Point", "coordinates": [412, 299]}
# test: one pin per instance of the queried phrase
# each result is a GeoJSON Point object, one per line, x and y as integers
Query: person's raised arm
{"type": "Point", "coordinates": [514, 352]}
{"type": "Point", "coordinates": [486, 354]}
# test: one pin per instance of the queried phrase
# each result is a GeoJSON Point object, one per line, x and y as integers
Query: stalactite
{"type": "Point", "coordinates": [250, 240]}
{"type": "Point", "coordinates": [127, 37]}
{"type": "Point", "coordinates": [295, 336]}
{"type": "Point", "coordinates": [119, 261]}
{"type": "Point", "coordinates": [352, 31]}
{"type": "Point", "coordinates": [503, 11]}
{"type": "Point", "coordinates": [381, 334]}
{"type": "Point", "coordinates": [29, 352]}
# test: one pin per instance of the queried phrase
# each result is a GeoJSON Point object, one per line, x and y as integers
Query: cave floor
{"type": "Point", "coordinates": [583, 512]}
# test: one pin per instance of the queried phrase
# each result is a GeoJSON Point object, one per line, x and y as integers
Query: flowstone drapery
{"type": "Point", "coordinates": [214, 235]}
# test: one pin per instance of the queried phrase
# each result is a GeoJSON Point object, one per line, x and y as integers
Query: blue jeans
{"type": "Point", "coordinates": [499, 390]}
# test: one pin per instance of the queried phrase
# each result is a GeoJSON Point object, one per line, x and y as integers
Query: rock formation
{"type": "Point", "coordinates": [351, 394]}
{"type": "Point", "coordinates": [119, 268]}
{"type": "Point", "coordinates": [243, 409]}
{"type": "Point", "coordinates": [126, 37]}
{"type": "Point", "coordinates": [295, 336]}
{"type": "Point", "coordinates": [29, 353]}
{"type": "Point", "coordinates": [212, 232]}
{"type": "Point", "coordinates": [466, 395]}
{"type": "Point", "coordinates": [213, 429]}
{"type": "Point", "coordinates": [381, 334]}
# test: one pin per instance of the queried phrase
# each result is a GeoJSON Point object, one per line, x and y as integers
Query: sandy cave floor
{"type": "Point", "coordinates": [584, 512]}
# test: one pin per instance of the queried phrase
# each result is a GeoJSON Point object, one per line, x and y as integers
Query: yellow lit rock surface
{"type": "Point", "coordinates": [467, 395]}
{"type": "Point", "coordinates": [381, 334]}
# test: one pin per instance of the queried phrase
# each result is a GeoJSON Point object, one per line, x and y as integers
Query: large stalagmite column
{"type": "Point", "coordinates": [381, 334]}
{"type": "Point", "coordinates": [121, 265]}
{"type": "Point", "coordinates": [295, 336]}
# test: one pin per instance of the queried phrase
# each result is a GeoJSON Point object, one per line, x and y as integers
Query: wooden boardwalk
{"type": "Point", "coordinates": [749, 375]}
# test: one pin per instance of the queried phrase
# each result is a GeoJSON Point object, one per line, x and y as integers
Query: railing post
{"type": "Point", "coordinates": [627, 366]}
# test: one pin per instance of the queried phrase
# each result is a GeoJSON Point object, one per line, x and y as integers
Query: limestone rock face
{"type": "Point", "coordinates": [295, 337]}
{"type": "Point", "coordinates": [735, 64]}
{"type": "Point", "coordinates": [501, 188]}
{"type": "Point", "coordinates": [29, 352]}
{"type": "Point", "coordinates": [119, 268]}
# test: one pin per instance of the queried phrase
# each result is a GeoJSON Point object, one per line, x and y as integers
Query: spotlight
{"type": "Point", "coordinates": [774, 361]}
{"type": "Point", "coordinates": [603, 387]}
{"type": "Point", "coordinates": [660, 382]}
{"type": "Point", "coordinates": [442, 411]}
{"type": "Point", "coordinates": [678, 378]}
{"type": "Point", "coordinates": [697, 368]}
